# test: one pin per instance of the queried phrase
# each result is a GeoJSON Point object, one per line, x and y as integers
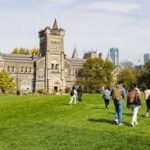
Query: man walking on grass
{"type": "Point", "coordinates": [118, 94]}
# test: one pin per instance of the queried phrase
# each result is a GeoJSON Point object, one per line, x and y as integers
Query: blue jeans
{"type": "Point", "coordinates": [119, 109]}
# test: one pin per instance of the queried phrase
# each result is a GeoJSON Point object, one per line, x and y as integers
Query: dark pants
{"type": "Point", "coordinates": [106, 103]}
{"type": "Point", "coordinates": [80, 97]}
{"type": "Point", "coordinates": [148, 105]}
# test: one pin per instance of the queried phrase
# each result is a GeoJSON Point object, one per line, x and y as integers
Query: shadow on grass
{"type": "Point", "coordinates": [124, 114]}
{"type": "Point", "coordinates": [67, 104]}
{"type": "Point", "coordinates": [101, 120]}
{"type": "Point", "coordinates": [98, 108]}
{"type": "Point", "coordinates": [112, 122]}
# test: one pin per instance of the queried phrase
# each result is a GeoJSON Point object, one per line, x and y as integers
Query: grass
{"type": "Point", "coordinates": [49, 123]}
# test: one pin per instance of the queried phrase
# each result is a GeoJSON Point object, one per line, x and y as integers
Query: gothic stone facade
{"type": "Point", "coordinates": [51, 71]}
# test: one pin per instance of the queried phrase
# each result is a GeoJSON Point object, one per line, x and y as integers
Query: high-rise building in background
{"type": "Point", "coordinates": [90, 54]}
{"type": "Point", "coordinates": [146, 58]}
{"type": "Point", "coordinates": [114, 55]}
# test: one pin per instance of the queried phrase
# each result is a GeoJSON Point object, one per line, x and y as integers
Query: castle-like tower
{"type": "Point", "coordinates": [51, 72]}
{"type": "Point", "coordinates": [52, 53]}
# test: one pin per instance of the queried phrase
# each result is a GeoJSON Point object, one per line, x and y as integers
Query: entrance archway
{"type": "Point", "coordinates": [55, 89]}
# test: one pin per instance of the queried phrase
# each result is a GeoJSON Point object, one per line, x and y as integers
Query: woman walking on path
{"type": "Point", "coordinates": [106, 96]}
{"type": "Point", "coordinates": [133, 102]}
{"type": "Point", "coordinates": [73, 94]}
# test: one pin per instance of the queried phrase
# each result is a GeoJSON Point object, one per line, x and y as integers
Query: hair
{"type": "Point", "coordinates": [133, 86]}
{"type": "Point", "coordinates": [120, 82]}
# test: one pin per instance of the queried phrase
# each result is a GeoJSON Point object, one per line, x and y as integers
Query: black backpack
{"type": "Point", "coordinates": [72, 92]}
{"type": "Point", "coordinates": [148, 98]}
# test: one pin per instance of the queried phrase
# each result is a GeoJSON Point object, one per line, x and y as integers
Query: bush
{"type": "Point", "coordinates": [67, 90]}
{"type": "Point", "coordinates": [41, 91]}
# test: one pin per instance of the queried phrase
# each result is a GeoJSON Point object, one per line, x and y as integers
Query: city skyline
{"type": "Point", "coordinates": [146, 57]}
{"type": "Point", "coordinates": [88, 25]}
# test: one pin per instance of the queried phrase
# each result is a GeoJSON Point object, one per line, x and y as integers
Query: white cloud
{"type": "Point", "coordinates": [62, 2]}
{"type": "Point", "coordinates": [113, 7]}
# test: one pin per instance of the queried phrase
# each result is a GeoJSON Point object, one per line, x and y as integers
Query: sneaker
{"type": "Point", "coordinates": [116, 120]}
{"type": "Point", "coordinates": [147, 114]}
{"type": "Point", "coordinates": [132, 124]}
{"type": "Point", "coordinates": [120, 124]}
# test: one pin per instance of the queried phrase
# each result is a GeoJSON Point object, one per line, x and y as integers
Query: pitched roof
{"type": "Point", "coordinates": [55, 26]}
{"type": "Point", "coordinates": [75, 54]}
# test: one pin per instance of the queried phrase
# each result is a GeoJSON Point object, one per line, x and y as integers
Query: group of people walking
{"type": "Point", "coordinates": [133, 101]}
{"type": "Point", "coordinates": [75, 94]}
{"type": "Point", "coordinates": [118, 94]}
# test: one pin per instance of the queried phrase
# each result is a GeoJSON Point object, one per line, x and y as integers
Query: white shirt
{"type": "Point", "coordinates": [147, 93]}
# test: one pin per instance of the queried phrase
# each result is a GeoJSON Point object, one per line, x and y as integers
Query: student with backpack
{"type": "Point", "coordinates": [147, 98]}
{"type": "Point", "coordinates": [106, 97]}
{"type": "Point", "coordinates": [73, 94]}
{"type": "Point", "coordinates": [118, 94]}
{"type": "Point", "coordinates": [133, 102]}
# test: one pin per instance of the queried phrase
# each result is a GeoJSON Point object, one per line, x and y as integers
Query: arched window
{"type": "Point", "coordinates": [56, 67]}
{"type": "Point", "coordinates": [13, 69]}
{"type": "Point", "coordinates": [30, 69]}
{"type": "Point", "coordinates": [8, 68]}
{"type": "Point", "coordinates": [26, 69]}
{"type": "Point", "coordinates": [52, 66]}
{"type": "Point", "coordinates": [22, 68]}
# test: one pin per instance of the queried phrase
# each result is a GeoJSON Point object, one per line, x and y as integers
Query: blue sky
{"type": "Point", "coordinates": [89, 24]}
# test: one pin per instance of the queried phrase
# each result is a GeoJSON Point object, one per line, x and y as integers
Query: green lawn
{"type": "Point", "coordinates": [49, 123]}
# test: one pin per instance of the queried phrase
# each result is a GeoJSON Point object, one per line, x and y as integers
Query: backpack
{"type": "Point", "coordinates": [148, 98]}
{"type": "Point", "coordinates": [116, 94]}
{"type": "Point", "coordinates": [72, 92]}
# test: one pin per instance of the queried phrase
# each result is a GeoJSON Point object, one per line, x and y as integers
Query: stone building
{"type": "Point", "coordinates": [51, 71]}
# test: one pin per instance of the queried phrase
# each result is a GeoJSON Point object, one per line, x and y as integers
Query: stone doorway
{"type": "Point", "coordinates": [55, 89]}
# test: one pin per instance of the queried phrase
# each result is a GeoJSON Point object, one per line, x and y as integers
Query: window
{"type": "Point", "coordinates": [8, 68]}
{"type": "Point", "coordinates": [40, 77]}
{"type": "Point", "coordinates": [76, 72]}
{"type": "Point", "coordinates": [56, 67]}
{"type": "Point", "coordinates": [52, 66]}
{"type": "Point", "coordinates": [26, 69]}
{"type": "Point", "coordinates": [13, 69]}
{"type": "Point", "coordinates": [22, 69]}
{"type": "Point", "coordinates": [30, 69]}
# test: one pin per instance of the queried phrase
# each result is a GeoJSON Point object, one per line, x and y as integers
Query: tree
{"type": "Point", "coordinates": [25, 51]}
{"type": "Point", "coordinates": [95, 73]}
{"type": "Point", "coordinates": [35, 51]}
{"type": "Point", "coordinates": [128, 75]}
{"type": "Point", "coordinates": [15, 51]}
{"type": "Point", "coordinates": [144, 76]}
{"type": "Point", "coordinates": [6, 82]}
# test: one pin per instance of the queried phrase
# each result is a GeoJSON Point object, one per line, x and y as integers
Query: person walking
{"type": "Point", "coordinates": [133, 102]}
{"type": "Point", "coordinates": [73, 94]}
{"type": "Point", "coordinates": [147, 98]}
{"type": "Point", "coordinates": [79, 93]}
{"type": "Point", "coordinates": [118, 94]}
{"type": "Point", "coordinates": [106, 97]}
